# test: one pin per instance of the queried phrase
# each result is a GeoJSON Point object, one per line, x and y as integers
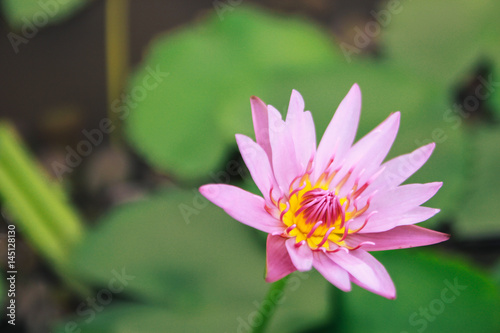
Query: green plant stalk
{"type": "Point", "coordinates": [38, 207]}
{"type": "Point", "coordinates": [272, 300]}
{"type": "Point", "coordinates": [38, 193]}
{"type": "Point", "coordinates": [29, 221]}
{"type": "Point", "coordinates": [35, 231]}
{"type": "Point", "coordinates": [117, 60]}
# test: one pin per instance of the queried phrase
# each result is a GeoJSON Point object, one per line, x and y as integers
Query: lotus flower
{"type": "Point", "coordinates": [327, 206]}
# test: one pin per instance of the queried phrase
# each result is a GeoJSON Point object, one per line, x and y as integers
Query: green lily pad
{"type": "Point", "coordinates": [495, 98]}
{"type": "Point", "coordinates": [478, 214]}
{"type": "Point", "coordinates": [143, 319]}
{"type": "Point", "coordinates": [29, 16]}
{"type": "Point", "coordinates": [177, 252]}
{"type": "Point", "coordinates": [440, 40]}
{"type": "Point", "coordinates": [435, 294]}
{"type": "Point", "coordinates": [184, 124]}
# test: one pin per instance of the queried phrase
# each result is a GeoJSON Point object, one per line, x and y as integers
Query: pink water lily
{"type": "Point", "coordinates": [326, 206]}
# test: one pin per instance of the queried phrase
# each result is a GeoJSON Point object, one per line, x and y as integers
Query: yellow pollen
{"type": "Point", "coordinates": [317, 215]}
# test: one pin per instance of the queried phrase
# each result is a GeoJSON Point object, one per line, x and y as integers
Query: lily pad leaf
{"type": "Point", "coordinates": [435, 294]}
{"type": "Point", "coordinates": [177, 252]}
{"type": "Point", "coordinates": [181, 124]}
{"type": "Point", "coordinates": [29, 16]}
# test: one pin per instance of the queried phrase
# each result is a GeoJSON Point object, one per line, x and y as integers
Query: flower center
{"type": "Point", "coordinates": [316, 215]}
{"type": "Point", "coordinates": [319, 205]}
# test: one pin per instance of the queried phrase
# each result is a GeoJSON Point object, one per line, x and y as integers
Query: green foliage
{"type": "Point", "coordinates": [188, 260]}
{"type": "Point", "coordinates": [478, 215]}
{"type": "Point", "coordinates": [435, 294]}
{"type": "Point", "coordinates": [442, 49]}
{"type": "Point", "coordinates": [186, 125]}
{"type": "Point", "coordinates": [36, 205]}
{"type": "Point", "coordinates": [446, 52]}
{"type": "Point", "coordinates": [25, 13]}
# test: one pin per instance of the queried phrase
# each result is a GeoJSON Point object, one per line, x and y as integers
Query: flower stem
{"type": "Point", "coordinates": [272, 300]}
{"type": "Point", "coordinates": [117, 55]}
{"type": "Point", "coordinates": [38, 207]}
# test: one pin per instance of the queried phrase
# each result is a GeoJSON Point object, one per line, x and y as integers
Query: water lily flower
{"type": "Point", "coordinates": [326, 206]}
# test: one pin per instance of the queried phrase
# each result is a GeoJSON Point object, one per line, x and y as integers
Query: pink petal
{"type": "Point", "coordinates": [366, 271]}
{"type": "Point", "coordinates": [365, 157]}
{"type": "Point", "coordinates": [302, 256]}
{"type": "Point", "coordinates": [243, 206]}
{"type": "Point", "coordinates": [397, 170]}
{"type": "Point", "coordinates": [398, 238]}
{"type": "Point", "coordinates": [340, 133]}
{"type": "Point", "coordinates": [260, 124]}
{"type": "Point", "coordinates": [278, 262]}
{"type": "Point", "coordinates": [304, 140]}
{"type": "Point", "coordinates": [302, 128]}
{"type": "Point", "coordinates": [285, 165]}
{"type": "Point", "coordinates": [383, 221]}
{"type": "Point", "coordinates": [403, 198]}
{"type": "Point", "coordinates": [331, 271]}
{"type": "Point", "coordinates": [296, 106]}
{"type": "Point", "coordinates": [258, 164]}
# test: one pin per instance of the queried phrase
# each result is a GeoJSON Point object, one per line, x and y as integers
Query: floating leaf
{"type": "Point", "coordinates": [31, 15]}
{"type": "Point", "coordinates": [190, 258]}
{"type": "Point", "coordinates": [440, 48]}
{"type": "Point", "coordinates": [434, 294]}
{"type": "Point", "coordinates": [478, 213]}
{"type": "Point", "coordinates": [181, 125]}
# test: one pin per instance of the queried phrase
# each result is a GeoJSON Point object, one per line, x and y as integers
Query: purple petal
{"type": "Point", "coordinates": [403, 198]}
{"type": "Point", "coordinates": [366, 271]}
{"type": "Point", "coordinates": [296, 105]}
{"type": "Point", "coordinates": [243, 206]}
{"type": "Point", "coordinates": [331, 271]}
{"type": "Point", "coordinates": [398, 238]}
{"type": "Point", "coordinates": [340, 133]}
{"type": "Point", "coordinates": [278, 262]}
{"type": "Point", "coordinates": [258, 164]}
{"type": "Point", "coordinates": [302, 128]}
{"type": "Point", "coordinates": [383, 221]}
{"type": "Point", "coordinates": [284, 160]}
{"type": "Point", "coordinates": [368, 153]}
{"type": "Point", "coordinates": [302, 256]}
{"type": "Point", "coordinates": [260, 124]}
{"type": "Point", "coordinates": [397, 170]}
{"type": "Point", "coordinates": [305, 140]}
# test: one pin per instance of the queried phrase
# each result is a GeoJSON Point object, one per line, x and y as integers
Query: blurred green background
{"type": "Point", "coordinates": [112, 113]}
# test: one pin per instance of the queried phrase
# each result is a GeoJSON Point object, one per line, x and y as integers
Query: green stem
{"type": "Point", "coordinates": [37, 206]}
{"type": "Point", "coordinates": [25, 176]}
{"type": "Point", "coordinates": [32, 225]}
{"type": "Point", "coordinates": [272, 300]}
{"type": "Point", "coordinates": [117, 55]}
